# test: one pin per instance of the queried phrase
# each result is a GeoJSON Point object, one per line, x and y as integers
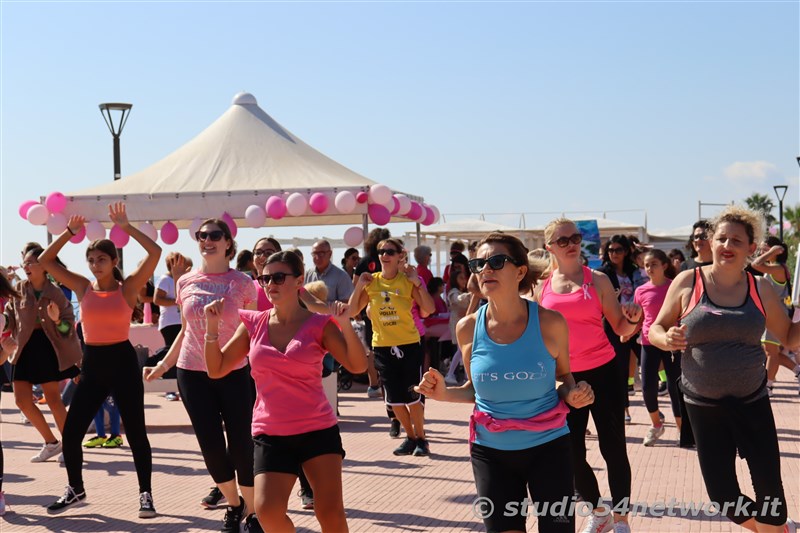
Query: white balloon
{"type": "Point", "coordinates": [255, 216]}
{"type": "Point", "coordinates": [405, 204]}
{"type": "Point", "coordinates": [95, 230]}
{"type": "Point", "coordinates": [345, 202]}
{"type": "Point", "coordinates": [353, 236]}
{"type": "Point", "coordinates": [296, 204]}
{"type": "Point", "coordinates": [436, 214]}
{"type": "Point", "coordinates": [57, 223]}
{"type": "Point", "coordinates": [194, 227]}
{"type": "Point", "coordinates": [149, 230]}
{"type": "Point", "coordinates": [38, 214]}
{"type": "Point", "coordinates": [380, 194]}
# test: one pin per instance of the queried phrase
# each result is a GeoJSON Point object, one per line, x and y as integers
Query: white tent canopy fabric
{"type": "Point", "coordinates": [241, 159]}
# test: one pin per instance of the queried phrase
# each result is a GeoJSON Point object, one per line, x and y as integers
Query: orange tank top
{"type": "Point", "coordinates": [105, 316]}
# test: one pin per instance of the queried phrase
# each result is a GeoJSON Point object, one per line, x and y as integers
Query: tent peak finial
{"type": "Point", "coordinates": [244, 98]}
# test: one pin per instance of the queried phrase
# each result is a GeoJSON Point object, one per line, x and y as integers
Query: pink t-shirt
{"type": "Point", "coordinates": [651, 298]}
{"type": "Point", "coordinates": [290, 399]}
{"type": "Point", "coordinates": [196, 290]}
{"type": "Point", "coordinates": [588, 344]}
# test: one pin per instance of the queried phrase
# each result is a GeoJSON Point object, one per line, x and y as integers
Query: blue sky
{"type": "Point", "coordinates": [480, 107]}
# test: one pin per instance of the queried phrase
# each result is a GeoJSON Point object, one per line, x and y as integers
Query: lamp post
{"type": "Point", "coordinates": [108, 110]}
{"type": "Point", "coordinates": [780, 192]}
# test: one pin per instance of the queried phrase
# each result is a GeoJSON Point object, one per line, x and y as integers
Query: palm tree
{"type": "Point", "coordinates": [792, 215]}
{"type": "Point", "coordinates": [763, 204]}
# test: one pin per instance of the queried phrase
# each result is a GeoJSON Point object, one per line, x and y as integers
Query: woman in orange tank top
{"type": "Point", "coordinates": [110, 364]}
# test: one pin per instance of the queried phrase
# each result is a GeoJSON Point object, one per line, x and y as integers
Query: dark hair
{"type": "Point", "coordinates": [275, 244]}
{"type": "Point", "coordinates": [6, 289]}
{"type": "Point", "coordinates": [461, 260]}
{"type": "Point", "coordinates": [243, 260]}
{"type": "Point", "coordinates": [288, 258]}
{"type": "Point", "coordinates": [375, 236]}
{"type": "Point", "coordinates": [394, 241]}
{"type": "Point", "coordinates": [230, 253]}
{"type": "Point", "coordinates": [670, 272]}
{"type": "Point", "coordinates": [628, 265]}
{"type": "Point", "coordinates": [706, 225]}
{"type": "Point", "coordinates": [454, 278]}
{"type": "Point", "coordinates": [672, 254]}
{"type": "Point", "coordinates": [473, 246]}
{"type": "Point", "coordinates": [37, 250]}
{"type": "Point", "coordinates": [519, 253]}
{"type": "Point", "coordinates": [347, 254]}
{"type": "Point", "coordinates": [107, 247]}
{"type": "Point", "coordinates": [775, 241]}
{"type": "Point", "coordinates": [457, 246]}
{"type": "Point", "coordinates": [435, 284]}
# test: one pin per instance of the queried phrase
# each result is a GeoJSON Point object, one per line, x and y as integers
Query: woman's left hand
{"type": "Point", "coordinates": [580, 395]}
{"type": "Point", "coordinates": [53, 312]}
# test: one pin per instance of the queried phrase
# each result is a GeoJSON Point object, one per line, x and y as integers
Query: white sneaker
{"type": "Point", "coordinates": [61, 459]}
{"type": "Point", "coordinates": [48, 451]}
{"type": "Point", "coordinates": [621, 527]}
{"type": "Point", "coordinates": [599, 524]}
{"type": "Point", "coordinates": [653, 435]}
{"type": "Point", "coordinates": [23, 419]}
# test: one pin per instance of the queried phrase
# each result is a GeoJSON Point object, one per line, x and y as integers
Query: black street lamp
{"type": "Point", "coordinates": [780, 192]}
{"type": "Point", "coordinates": [116, 130]}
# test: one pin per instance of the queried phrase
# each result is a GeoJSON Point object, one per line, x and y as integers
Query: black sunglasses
{"type": "Point", "coordinates": [701, 237]}
{"type": "Point", "coordinates": [278, 278]}
{"type": "Point", "coordinates": [496, 262]}
{"type": "Point", "coordinates": [618, 250]}
{"type": "Point", "coordinates": [215, 235]}
{"type": "Point", "coordinates": [391, 252]}
{"type": "Point", "coordinates": [259, 253]}
{"type": "Point", "coordinates": [563, 242]}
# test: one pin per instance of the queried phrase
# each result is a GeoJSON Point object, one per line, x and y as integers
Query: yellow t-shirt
{"type": "Point", "coordinates": [390, 302]}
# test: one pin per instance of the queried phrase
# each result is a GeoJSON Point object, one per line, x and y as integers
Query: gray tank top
{"type": "Point", "coordinates": [724, 359]}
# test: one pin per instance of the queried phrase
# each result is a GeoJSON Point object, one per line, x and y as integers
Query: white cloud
{"type": "Point", "coordinates": [750, 172]}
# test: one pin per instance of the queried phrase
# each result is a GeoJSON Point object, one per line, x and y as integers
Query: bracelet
{"type": "Point", "coordinates": [162, 363]}
{"type": "Point", "coordinates": [211, 338]}
{"type": "Point", "coordinates": [631, 322]}
{"type": "Point", "coordinates": [70, 230]}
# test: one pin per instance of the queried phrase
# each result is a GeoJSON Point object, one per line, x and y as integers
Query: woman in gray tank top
{"type": "Point", "coordinates": [716, 314]}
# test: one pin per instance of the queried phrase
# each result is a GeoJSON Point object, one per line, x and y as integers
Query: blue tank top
{"type": "Point", "coordinates": [516, 380]}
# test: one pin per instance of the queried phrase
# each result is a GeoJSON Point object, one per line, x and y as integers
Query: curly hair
{"type": "Point", "coordinates": [752, 221]}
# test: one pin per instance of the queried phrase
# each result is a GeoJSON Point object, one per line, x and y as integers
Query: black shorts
{"type": "Point", "coordinates": [287, 453]}
{"type": "Point", "coordinates": [38, 363]}
{"type": "Point", "coordinates": [401, 369]}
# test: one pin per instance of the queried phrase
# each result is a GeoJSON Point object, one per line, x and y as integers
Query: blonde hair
{"type": "Point", "coordinates": [551, 226]}
{"type": "Point", "coordinates": [318, 290]}
{"type": "Point", "coordinates": [539, 261]}
{"type": "Point", "coordinates": [752, 221]}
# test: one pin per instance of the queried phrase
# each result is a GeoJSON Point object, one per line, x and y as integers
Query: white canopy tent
{"type": "Point", "coordinates": [241, 159]}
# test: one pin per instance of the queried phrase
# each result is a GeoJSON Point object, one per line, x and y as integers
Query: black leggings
{"type": "Point", "coordinates": [212, 402]}
{"type": "Point", "coordinates": [750, 427]}
{"type": "Point", "coordinates": [651, 358]}
{"type": "Point", "coordinates": [169, 334]}
{"type": "Point", "coordinates": [505, 476]}
{"type": "Point", "coordinates": [608, 414]}
{"type": "Point", "coordinates": [108, 370]}
{"type": "Point", "coordinates": [623, 351]}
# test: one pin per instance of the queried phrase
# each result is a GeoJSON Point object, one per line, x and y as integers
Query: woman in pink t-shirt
{"type": "Point", "coordinates": [211, 402]}
{"type": "Point", "coordinates": [293, 426]}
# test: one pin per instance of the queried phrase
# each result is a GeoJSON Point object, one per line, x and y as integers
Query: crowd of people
{"type": "Point", "coordinates": [544, 342]}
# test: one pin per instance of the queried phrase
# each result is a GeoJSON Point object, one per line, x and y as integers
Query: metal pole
{"type": "Point", "coordinates": [780, 218]}
{"type": "Point", "coordinates": [117, 175]}
{"type": "Point", "coordinates": [365, 229]}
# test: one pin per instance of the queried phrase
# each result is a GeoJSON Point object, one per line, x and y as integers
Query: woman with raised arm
{"type": "Point", "coordinates": [110, 364]}
{"type": "Point", "coordinates": [585, 297]}
{"type": "Point", "coordinates": [716, 314]}
{"type": "Point", "coordinates": [514, 352]}
{"type": "Point", "coordinates": [294, 425]}
{"type": "Point", "coordinates": [217, 408]}
{"type": "Point", "coordinates": [7, 346]}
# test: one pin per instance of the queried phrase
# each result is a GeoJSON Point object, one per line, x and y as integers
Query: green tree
{"type": "Point", "coordinates": [792, 215]}
{"type": "Point", "coordinates": [763, 204]}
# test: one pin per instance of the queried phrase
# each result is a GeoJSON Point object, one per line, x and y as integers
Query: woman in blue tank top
{"type": "Point", "coordinates": [716, 315]}
{"type": "Point", "coordinates": [514, 352]}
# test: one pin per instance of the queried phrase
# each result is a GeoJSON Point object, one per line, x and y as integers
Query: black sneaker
{"type": "Point", "coordinates": [251, 524]}
{"type": "Point", "coordinates": [146, 507]}
{"type": "Point", "coordinates": [214, 499]}
{"type": "Point", "coordinates": [662, 388]}
{"type": "Point", "coordinates": [394, 430]}
{"type": "Point", "coordinates": [406, 447]}
{"type": "Point", "coordinates": [70, 497]}
{"type": "Point", "coordinates": [233, 518]}
{"type": "Point", "coordinates": [422, 449]}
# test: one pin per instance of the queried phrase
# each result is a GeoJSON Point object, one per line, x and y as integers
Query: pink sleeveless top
{"type": "Point", "coordinates": [105, 316]}
{"type": "Point", "coordinates": [588, 345]}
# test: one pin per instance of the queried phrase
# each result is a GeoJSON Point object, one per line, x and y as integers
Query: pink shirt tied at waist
{"type": "Point", "coordinates": [551, 419]}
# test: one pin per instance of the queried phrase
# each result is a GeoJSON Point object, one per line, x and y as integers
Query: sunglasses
{"type": "Point", "coordinates": [391, 252]}
{"type": "Point", "coordinates": [563, 242]}
{"type": "Point", "coordinates": [496, 262]}
{"type": "Point", "coordinates": [701, 237]}
{"type": "Point", "coordinates": [214, 236]}
{"type": "Point", "coordinates": [616, 251]}
{"type": "Point", "coordinates": [266, 253]}
{"type": "Point", "coordinates": [278, 278]}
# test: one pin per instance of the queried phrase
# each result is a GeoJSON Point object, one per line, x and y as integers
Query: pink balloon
{"type": "Point", "coordinates": [353, 236]}
{"type": "Point", "coordinates": [38, 214]}
{"type": "Point", "coordinates": [362, 197]}
{"type": "Point", "coordinates": [296, 204]}
{"type": "Point", "coordinates": [415, 212]}
{"type": "Point", "coordinates": [118, 237]}
{"type": "Point", "coordinates": [379, 214]}
{"type": "Point", "coordinates": [436, 214]}
{"type": "Point", "coordinates": [276, 208]}
{"type": "Point", "coordinates": [395, 205]}
{"type": "Point", "coordinates": [78, 237]}
{"type": "Point", "coordinates": [255, 216]}
{"type": "Point", "coordinates": [169, 233]}
{"type": "Point", "coordinates": [318, 202]}
{"type": "Point", "coordinates": [227, 219]}
{"type": "Point", "coordinates": [787, 225]}
{"type": "Point", "coordinates": [55, 202]}
{"type": "Point", "coordinates": [430, 216]}
{"type": "Point", "coordinates": [57, 223]}
{"type": "Point", "coordinates": [24, 206]}
{"type": "Point", "coordinates": [345, 202]}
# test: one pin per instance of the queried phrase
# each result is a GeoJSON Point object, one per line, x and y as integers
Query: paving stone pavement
{"type": "Point", "coordinates": [382, 492]}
